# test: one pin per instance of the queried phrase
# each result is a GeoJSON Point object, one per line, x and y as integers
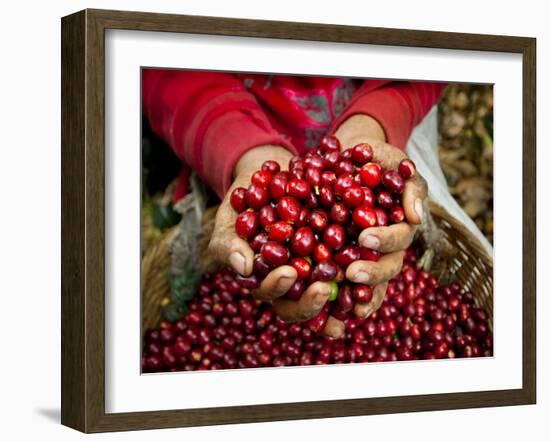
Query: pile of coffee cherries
{"type": "Point", "coordinates": [310, 217]}
{"type": "Point", "coordinates": [226, 328]}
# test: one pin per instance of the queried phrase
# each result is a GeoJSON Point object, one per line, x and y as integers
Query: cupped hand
{"type": "Point", "coordinates": [226, 247]}
{"type": "Point", "coordinates": [391, 241]}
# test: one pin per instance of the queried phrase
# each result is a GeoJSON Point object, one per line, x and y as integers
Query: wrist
{"type": "Point", "coordinates": [359, 128]}
{"type": "Point", "coordinates": [253, 159]}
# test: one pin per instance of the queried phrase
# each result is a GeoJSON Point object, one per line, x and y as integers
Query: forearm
{"type": "Point", "coordinates": [253, 159]}
{"type": "Point", "coordinates": [397, 106]}
{"type": "Point", "coordinates": [357, 129]}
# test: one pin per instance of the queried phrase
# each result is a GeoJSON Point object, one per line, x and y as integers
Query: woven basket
{"type": "Point", "coordinates": [466, 261]}
{"type": "Point", "coordinates": [462, 259]}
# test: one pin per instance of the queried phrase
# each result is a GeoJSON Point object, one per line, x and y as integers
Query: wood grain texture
{"type": "Point", "coordinates": [73, 252]}
{"type": "Point", "coordinates": [529, 221]}
{"type": "Point", "coordinates": [83, 220]}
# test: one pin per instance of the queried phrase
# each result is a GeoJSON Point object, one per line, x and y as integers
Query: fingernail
{"type": "Point", "coordinates": [361, 277]}
{"type": "Point", "coordinates": [368, 312]}
{"type": "Point", "coordinates": [237, 261]}
{"type": "Point", "coordinates": [371, 242]}
{"type": "Point", "coordinates": [418, 209]}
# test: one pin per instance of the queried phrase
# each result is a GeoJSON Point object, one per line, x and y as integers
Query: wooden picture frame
{"type": "Point", "coordinates": [83, 219]}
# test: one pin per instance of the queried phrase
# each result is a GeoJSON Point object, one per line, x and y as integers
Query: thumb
{"type": "Point", "coordinates": [226, 247]}
{"type": "Point", "coordinates": [414, 195]}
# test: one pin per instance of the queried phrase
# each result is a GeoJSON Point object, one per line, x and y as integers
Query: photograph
{"type": "Point", "coordinates": [299, 220]}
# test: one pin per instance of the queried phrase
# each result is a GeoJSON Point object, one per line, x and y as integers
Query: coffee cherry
{"type": "Point", "coordinates": [324, 271]}
{"type": "Point", "coordinates": [369, 254]}
{"type": "Point", "coordinates": [317, 324]}
{"type": "Point", "coordinates": [258, 241]}
{"type": "Point", "coordinates": [326, 196]}
{"type": "Point", "coordinates": [288, 209]}
{"type": "Point", "coordinates": [247, 224]}
{"type": "Point", "coordinates": [302, 242]}
{"type": "Point", "coordinates": [280, 231]}
{"type": "Point", "coordinates": [406, 168]}
{"type": "Point", "coordinates": [274, 254]}
{"type": "Point", "coordinates": [298, 174]}
{"type": "Point", "coordinates": [385, 199]}
{"type": "Point", "coordinates": [312, 201]}
{"type": "Point", "coordinates": [267, 216]}
{"type": "Point", "coordinates": [381, 217]}
{"type": "Point", "coordinates": [331, 159]}
{"type": "Point", "coordinates": [347, 255]}
{"type": "Point", "coordinates": [344, 166]}
{"type": "Point", "coordinates": [277, 187]}
{"type": "Point", "coordinates": [362, 293]}
{"type": "Point", "coordinates": [334, 236]}
{"type": "Point", "coordinates": [237, 199]}
{"type": "Point", "coordinates": [339, 213]}
{"type": "Point", "coordinates": [353, 197]}
{"type": "Point", "coordinates": [364, 217]}
{"type": "Point", "coordinates": [260, 266]}
{"type": "Point", "coordinates": [329, 143]}
{"type": "Point", "coordinates": [361, 154]}
{"type": "Point", "coordinates": [256, 196]}
{"type": "Point", "coordinates": [261, 178]}
{"type": "Point", "coordinates": [298, 188]}
{"type": "Point", "coordinates": [369, 197]}
{"type": "Point", "coordinates": [318, 220]}
{"type": "Point", "coordinates": [371, 174]}
{"type": "Point", "coordinates": [296, 290]}
{"type": "Point", "coordinates": [313, 161]}
{"type": "Point", "coordinates": [313, 176]}
{"type": "Point", "coordinates": [393, 181]}
{"type": "Point", "coordinates": [321, 253]}
{"type": "Point", "coordinates": [251, 282]}
{"type": "Point", "coordinates": [345, 298]}
{"type": "Point", "coordinates": [303, 218]}
{"type": "Point", "coordinates": [328, 178]}
{"type": "Point", "coordinates": [303, 267]}
{"type": "Point", "coordinates": [296, 163]}
{"type": "Point", "coordinates": [396, 214]}
{"type": "Point", "coordinates": [271, 166]}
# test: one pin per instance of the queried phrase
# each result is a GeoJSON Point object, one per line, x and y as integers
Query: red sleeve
{"type": "Point", "coordinates": [208, 118]}
{"type": "Point", "coordinates": [397, 106]}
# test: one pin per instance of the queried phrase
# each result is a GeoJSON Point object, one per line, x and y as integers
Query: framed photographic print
{"type": "Point", "coordinates": [267, 221]}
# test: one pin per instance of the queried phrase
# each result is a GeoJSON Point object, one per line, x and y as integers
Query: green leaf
{"type": "Point", "coordinates": [183, 295]}
{"type": "Point", "coordinates": [173, 312]}
{"type": "Point", "coordinates": [164, 217]}
{"type": "Point", "coordinates": [184, 286]}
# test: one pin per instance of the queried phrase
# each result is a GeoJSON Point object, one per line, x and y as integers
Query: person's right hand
{"type": "Point", "coordinates": [234, 251]}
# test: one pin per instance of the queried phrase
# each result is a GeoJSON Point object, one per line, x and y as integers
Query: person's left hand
{"type": "Point", "coordinates": [392, 240]}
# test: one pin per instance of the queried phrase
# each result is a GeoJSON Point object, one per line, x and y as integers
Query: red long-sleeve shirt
{"type": "Point", "coordinates": [210, 118]}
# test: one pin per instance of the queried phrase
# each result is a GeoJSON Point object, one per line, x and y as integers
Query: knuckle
{"type": "Point", "coordinates": [422, 184]}
{"type": "Point", "coordinates": [376, 273]}
{"type": "Point", "coordinates": [304, 316]}
{"type": "Point", "coordinates": [389, 240]}
{"type": "Point", "coordinates": [394, 270]}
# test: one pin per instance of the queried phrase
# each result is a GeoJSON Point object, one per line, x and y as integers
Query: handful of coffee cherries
{"type": "Point", "coordinates": [310, 218]}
